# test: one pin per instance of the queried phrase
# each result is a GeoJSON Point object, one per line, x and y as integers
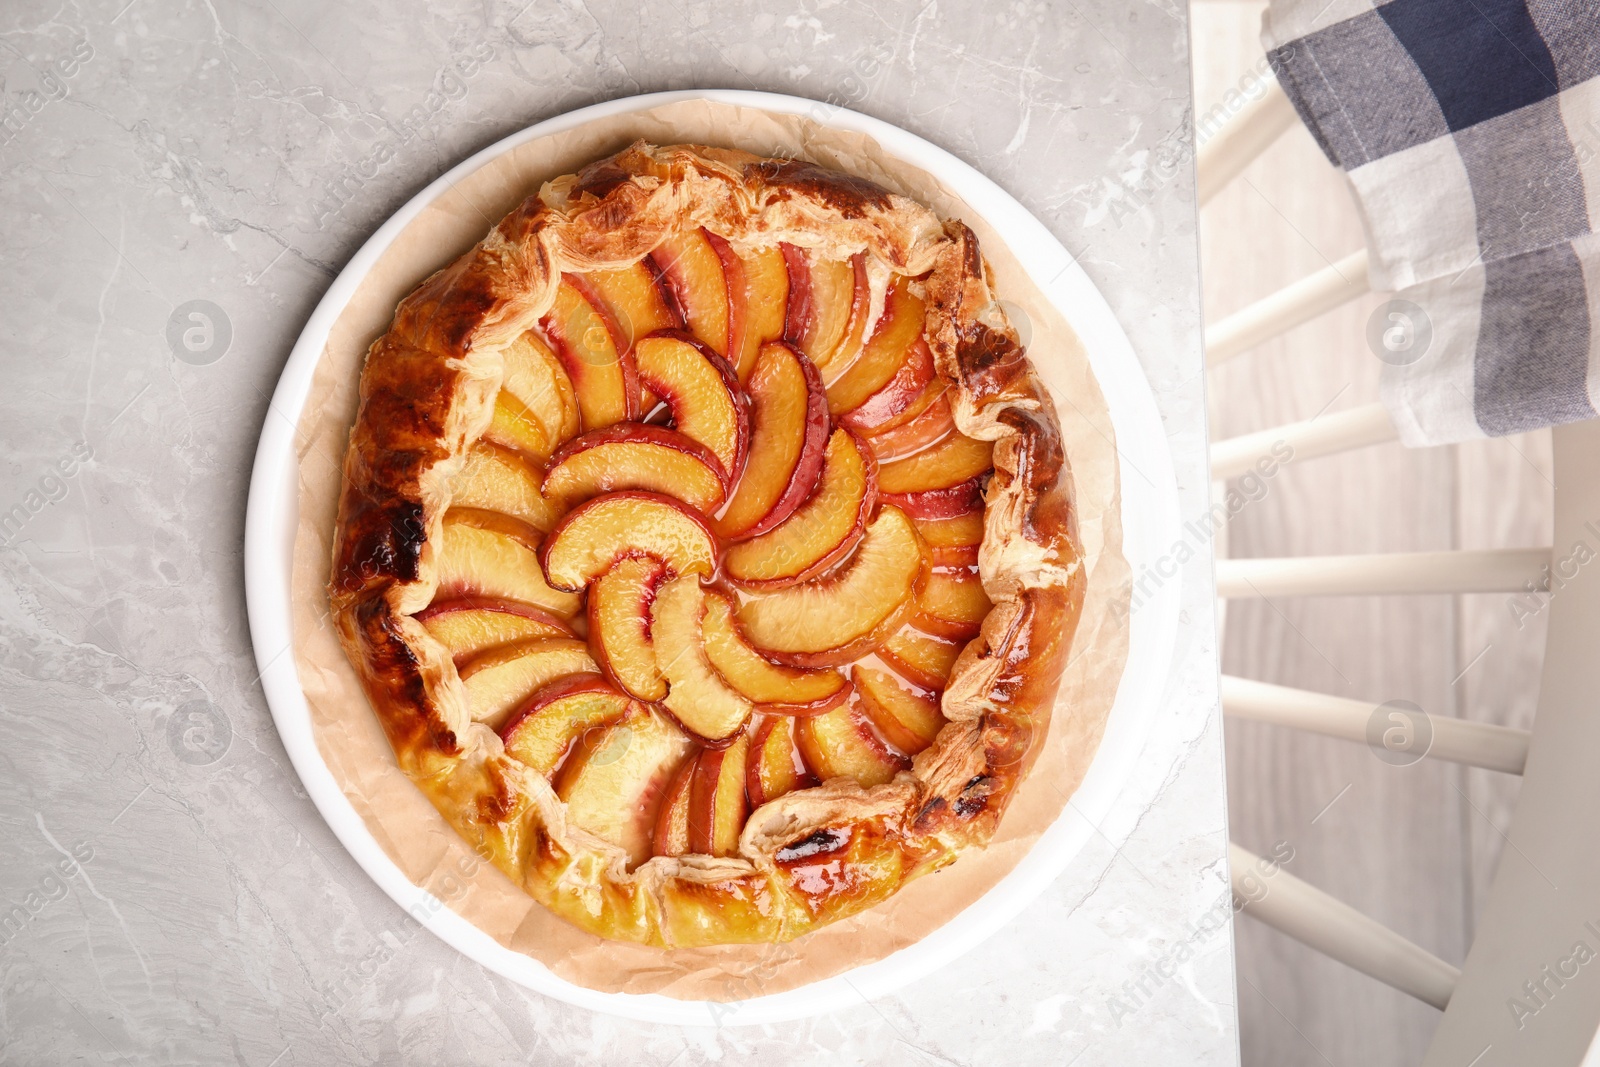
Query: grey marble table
{"type": "Point", "coordinates": [168, 893]}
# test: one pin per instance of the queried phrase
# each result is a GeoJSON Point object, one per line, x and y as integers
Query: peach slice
{"type": "Point", "coordinates": [733, 278]}
{"type": "Point", "coordinates": [616, 778]}
{"type": "Point", "coordinates": [788, 435]}
{"type": "Point", "coordinates": [894, 397]}
{"type": "Point", "coordinates": [703, 393]}
{"type": "Point", "coordinates": [470, 625]}
{"type": "Point", "coordinates": [595, 534]}
{"type": "Point", "coordinates": [951, 603]}
{"type": "Point", "coordinates": [619, 625]}
{"type": "Point", "coordinates": [907, 720]}
{"type": "Point", "coordinates": [956, 459]}
{"type": "Point", "coordinates": [514, 426]}
{"type": "Point", "coordinates": [841, 744]}
{"type": "Point", "coordinates": [635, 455]}
{"type": "Point", "coordinates": [766, 305]}
{"type": "Point", "coordinates": [935, 389]}
{"type": "Point", "coordinates": [594, 356]}
{"type": "Point", "coordinates": [555, 717]}
{"type": "Point", "coordinates": [774, 766]}
{"type": "Point", "coordinates": [953, 541]}
{"type": "Point", "coordinates": [797, 313]}
{"type": "Point", "coordinates": [932, 424]}
{"type": "Point", "coordinates": [944, 503]}
{"type": "Point", "coordinates": [671, 837]}
{"type": "Point", "coordinates": [849, 344]}
{"type": "Point", "coordinates": [896, 334]}
{"type": "Point", "coordinates": [633, 301]}
{"type": "Point", "coordinates": [833, 297]}
{"type": "Point", "coordinates": [921, 659]}
{"type": "Point", "coordinates": [484, 553]}
{"type": "Point", "coordinates": [502, 678]}
{"type": "Point", "coordinates": [535, 409]}
{"type": "Point", "coordinates": [697, 696]}
{"type": "Point", "coordinates": [690, 275]}
{"type": "Point", "coordinates": [498, 479]}
{"type": "Point", "coordinates": [717, 806]}
{"type": "Point", "coordinates": [822, 531]}
{"type": "Point", "coordinates": [770, 686]}
{"type": "Point", "coordinates": [828, 622]}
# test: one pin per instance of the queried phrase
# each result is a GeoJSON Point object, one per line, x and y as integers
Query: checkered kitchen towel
{"type": "Point", "coordinates": [1470, 132]}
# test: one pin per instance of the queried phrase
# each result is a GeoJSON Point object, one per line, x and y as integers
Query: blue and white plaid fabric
{"type": "Point", "coordinates": [1470, 132]}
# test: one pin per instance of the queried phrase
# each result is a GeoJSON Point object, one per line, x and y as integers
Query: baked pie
{"type": "Point", "coordinates": [706, 546]}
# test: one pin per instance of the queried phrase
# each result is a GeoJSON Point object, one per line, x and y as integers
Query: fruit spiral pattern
{"type": "Point", "coordinates": [707, 546]}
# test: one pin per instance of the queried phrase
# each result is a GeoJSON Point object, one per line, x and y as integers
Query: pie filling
{"type": "Point", "coordinates": [718, 543]}
{"type": "Point", "coordinates": [703, 541]}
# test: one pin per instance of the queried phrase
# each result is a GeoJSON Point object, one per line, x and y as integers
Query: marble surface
{"type": "Point", "coordinates": [168, 894]}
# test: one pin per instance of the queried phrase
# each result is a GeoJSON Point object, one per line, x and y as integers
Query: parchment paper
{"type": "Point", "coordinates": [418, 839]}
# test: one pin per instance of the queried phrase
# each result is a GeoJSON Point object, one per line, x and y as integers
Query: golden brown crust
{"type": "Point", "coordinates": [810, 857]}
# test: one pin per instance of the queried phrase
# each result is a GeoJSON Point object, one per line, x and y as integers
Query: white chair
{"type": "Point", "coordinates": [1528, 992]}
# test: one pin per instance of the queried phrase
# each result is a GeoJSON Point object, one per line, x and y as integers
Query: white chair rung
{"type": "Point", "coordinates": [1324, 435]}
{"type": "Point", "coordinates": [1228, 146]}
{"type": "Point", "coordinates": [1287, 308]}
{"type": "Point", "coordinates": [1339, 931]}
{"type": "Point", "coordinates": [1477, 744]}
{"type": "Point", "coordinates": [1502, 570]}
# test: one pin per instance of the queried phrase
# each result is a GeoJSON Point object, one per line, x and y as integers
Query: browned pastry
{"type": "Point", "coordinates": [707, 547]}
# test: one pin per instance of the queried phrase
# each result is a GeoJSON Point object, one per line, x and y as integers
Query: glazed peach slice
{"type": "Point", "coordinates": [593, 354]}
{"type": "Point", "coordinates": [556, 716]}
{"type": "Point", "coordinates": [702, 392]}
{"type": "Point", "coordinates": [930, 425]}
{"type": "Point", "coordinates": [848, 346]}
{"type": "Point", "coordinates": [502, 678]}
{"type": "Point", "coordinates": [951, 603]}
{"type": "Point", "coordinates": [499, 479]}
{"type": "Point", "coordinates": [772, 687]}
{"type": "Point", "coordinates": [484, 553]}
{"type": "Point", "coordinates": [692, 280]}
{"type": "Point", "coordinates": [635, 455]}
{"type": "Point", "coordinates": [797, 311]}
{"type": "Point", "coordinates": [788, 436]}
{"type": "Point", "coordinates": [535, 409]}
{"type": "Point", "coordinates": [829, 622]}
{"type": "Point", "coordinates": [616, 778]}
{"type": "Point", "coordinates": [956, 459]}
{"type": "Point", "coordinates": [908, 719]}
{"type": "Point", "coordinates": [619, 625]}
{"type": "Point", "coordinates": [829, 299]}
{"type": "Point", "coordinates": [633, 301]}
{"type": "Point", "coordinates": [717, 805]}
{"type": "Point", "coordinates": [734, 280]}
{"type": "Point", "coordinates": [822, 531]}
{"type": "Point", "coordinates": [469, 625]}
{"type": "Point", "coordinates": [936, 388]}
{"type": "Point", "coordinates": [514, 426]}
{"type": "Point", "coordinates": [957, 499]}
{"type": "Point", "coordinates": [921, 659]}
{"type": "Point", "coordinates": [594, 535]}
{"type": "Point", "coordinates": [697, 696]}
{"type": "Point", "coordinates": [774, 766]}
{"type": "Point", "coordinates": [897, 333]}
{"type": "Point", "coordinates": [953, 541]}
{"type": "Point", "coordinates": [671, 836]}
{"type": "Point", "coordinates": [766, 304]}
{"type": "Point", "coordinates": [905, 387]}
{"type": "Point", "coordinates": [841, 744]}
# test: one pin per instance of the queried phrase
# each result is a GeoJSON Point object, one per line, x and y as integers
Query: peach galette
{"type": "Point", "coordinates": [706, 546]}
